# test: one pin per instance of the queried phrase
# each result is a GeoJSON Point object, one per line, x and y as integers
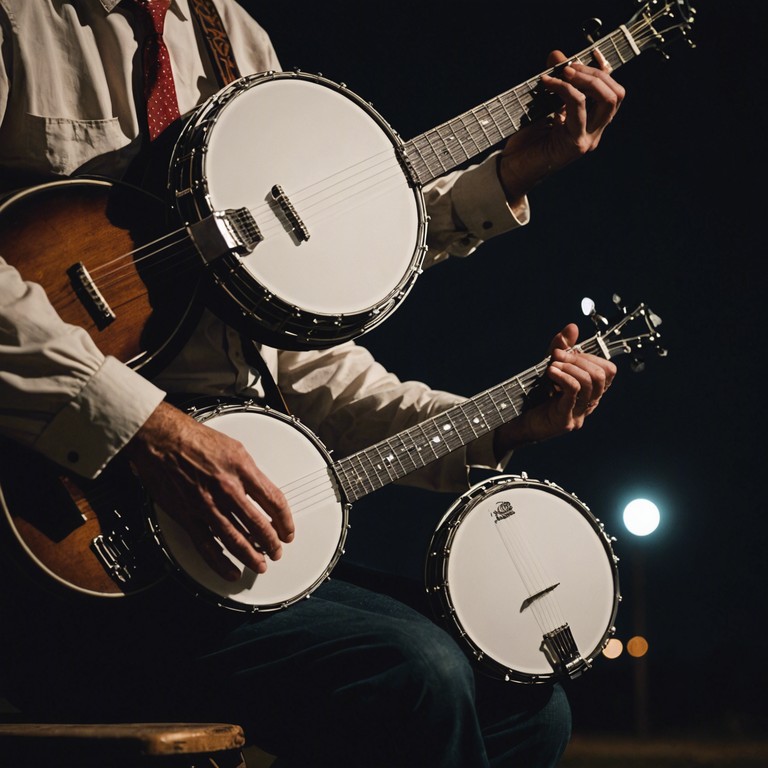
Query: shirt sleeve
{"type": "Point", "coordinates": [58, 393]}
{"type": "Point", "coordinates": [351, 402]}
{"type": "Point", "coordinates": [466, 208]}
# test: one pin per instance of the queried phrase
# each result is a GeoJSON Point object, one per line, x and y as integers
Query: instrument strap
{"type": "Point", "coordinates": [223, 60]}
{"type": "Point", "coordinates": [216, 41]}
{"type": "Point", "coordinates": [272, 392]}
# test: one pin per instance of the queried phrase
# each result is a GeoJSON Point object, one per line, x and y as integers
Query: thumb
{"type": "Point", "coordinates": [566, 338]}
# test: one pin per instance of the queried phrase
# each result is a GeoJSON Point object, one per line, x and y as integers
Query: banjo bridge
{"type": "Point", "coordinates": [560, 649]}
{"type": "Point", "coordinates": [530, 600]}
{"type": "Point", "coordinates": [297, 227]}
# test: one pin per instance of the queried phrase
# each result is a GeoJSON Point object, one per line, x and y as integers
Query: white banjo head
{"type": "Point", "coordinates": [336, 162]}
{"type": "Point", "coordinates": [295, 461]}
{"type": "Point", "coordinates": [484, 576]}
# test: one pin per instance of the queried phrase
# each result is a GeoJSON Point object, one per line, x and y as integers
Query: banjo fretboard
{"type": "Point", "coordinates": [393, 458]}
{"type": "Point", "coordinates": [456, 141]}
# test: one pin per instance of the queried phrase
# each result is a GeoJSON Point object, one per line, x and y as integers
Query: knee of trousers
{"type": "Point", "coordinates": [557, 717]}
{"type": "Point", "coordinates": [432, 668]}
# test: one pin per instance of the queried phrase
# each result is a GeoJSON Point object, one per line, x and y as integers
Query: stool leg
{"type": "Point", "coordinates": [231, 759]}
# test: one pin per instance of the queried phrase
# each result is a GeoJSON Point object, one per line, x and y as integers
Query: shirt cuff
{"type": "Point", "coordinates": [104, 416]}
{"type": "Point", "coordinates": [481, 205]}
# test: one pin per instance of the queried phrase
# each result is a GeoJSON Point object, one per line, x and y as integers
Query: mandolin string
{"type": "Point", "coordinates": [182, 260]}
{"type": "Point", "coordinates": [396, 173]}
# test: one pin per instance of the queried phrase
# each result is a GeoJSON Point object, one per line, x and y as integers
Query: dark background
{"type": "Point", "coordinates": [670, 210]}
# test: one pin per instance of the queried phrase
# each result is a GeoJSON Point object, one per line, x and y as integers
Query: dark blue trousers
{"type": "Point", "coordinates": [349, 677]}
{"type": "Point", "coordinates": [354, 678]}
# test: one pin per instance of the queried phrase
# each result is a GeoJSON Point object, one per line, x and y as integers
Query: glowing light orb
{"type": "Point", "coordinates": [641, 517]}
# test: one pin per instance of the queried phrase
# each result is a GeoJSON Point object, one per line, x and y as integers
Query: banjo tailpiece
{"type": "Point", "coordinates": [560, 648]}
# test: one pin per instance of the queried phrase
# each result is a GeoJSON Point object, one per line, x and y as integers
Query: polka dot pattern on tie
{"type": "Point", "coordinates": [159, 89]}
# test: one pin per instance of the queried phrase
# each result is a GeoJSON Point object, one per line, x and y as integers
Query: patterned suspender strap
{"type": "Point", "coordinates": [216, 41]}
{"type": "Point", "coordinates": [223, 60]}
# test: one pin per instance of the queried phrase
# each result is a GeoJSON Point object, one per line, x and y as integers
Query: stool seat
{"type": "Point", "coordinates": [54, 745]}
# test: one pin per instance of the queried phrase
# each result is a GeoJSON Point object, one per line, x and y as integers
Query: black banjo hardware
{"type": "Point", "coordinates": [102, 538]}
{"type": "Point", "coordinates": [524, 577]}
{"type": "Point", "coordinates": [314, 237]}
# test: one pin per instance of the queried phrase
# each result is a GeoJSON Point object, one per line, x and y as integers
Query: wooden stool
{"type": "Point", "coordinates": [125, 745]}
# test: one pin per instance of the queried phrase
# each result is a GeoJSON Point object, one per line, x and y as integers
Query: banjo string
{"type": "Point", "coordinates": [385, 158]}
{"type": "Point", "coordinates": [545, 609]}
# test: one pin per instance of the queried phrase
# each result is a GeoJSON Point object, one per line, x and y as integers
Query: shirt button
{"type": "Point", "coordinates": [73, 457]}
{"type": "Point", "coordinates": [487, 224]}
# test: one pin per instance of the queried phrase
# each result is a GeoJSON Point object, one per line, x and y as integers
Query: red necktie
{"type": "Point", "coordinates": [159, 90]}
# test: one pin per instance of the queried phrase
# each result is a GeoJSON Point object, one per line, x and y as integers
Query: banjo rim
{"type": "Point", "coordinates": [203, 410]}
{"type": "Point", "coordinates": [438, 590]}
{"type": "Point", "coordinates": [236, 294]}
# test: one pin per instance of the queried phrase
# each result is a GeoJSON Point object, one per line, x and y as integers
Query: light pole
{"type": "Point", "coordinates": [641, 518]}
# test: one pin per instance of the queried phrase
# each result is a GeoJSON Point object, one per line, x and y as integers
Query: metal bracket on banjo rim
{"type": "Point", "coordinates": [223, 232]}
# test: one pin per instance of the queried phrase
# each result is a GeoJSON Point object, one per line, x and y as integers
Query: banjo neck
{"type": "Point", "coordinates": [456, 141]}
{"type": "Point", "coordinates": [395, 457]}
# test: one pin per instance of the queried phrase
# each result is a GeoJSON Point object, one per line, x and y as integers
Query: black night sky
{"type": "Point", "coordinates": [670, 211]}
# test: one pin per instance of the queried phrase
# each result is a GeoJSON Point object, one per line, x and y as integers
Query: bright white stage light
{"type": "Point", "coordinates": [641, 517]}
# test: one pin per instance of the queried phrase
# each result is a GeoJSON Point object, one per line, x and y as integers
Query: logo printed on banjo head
{"type": "Point", "coordinates": [503, 510]}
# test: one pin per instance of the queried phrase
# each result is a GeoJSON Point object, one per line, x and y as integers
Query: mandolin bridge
{"type": "Point", "coordinates": [90, 296]}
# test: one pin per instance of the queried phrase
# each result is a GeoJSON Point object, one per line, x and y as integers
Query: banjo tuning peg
{"type": "Point", "coordinates": [591, 29]}
{"type": "Point", "coordinates": [589, 310]}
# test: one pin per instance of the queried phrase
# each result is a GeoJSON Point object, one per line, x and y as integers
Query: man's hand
{"type": "Point", "coordinates": [211, 486]}
{"type": "Point", "coordinates": [591, 98]}
{"type": "Point", "coordinates": [578, 381]}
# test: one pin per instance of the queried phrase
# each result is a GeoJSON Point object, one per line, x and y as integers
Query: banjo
{"type": "Point", "coordinates": [307, 207]}
{"type": "Point", "coordinates": [521, 559]}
